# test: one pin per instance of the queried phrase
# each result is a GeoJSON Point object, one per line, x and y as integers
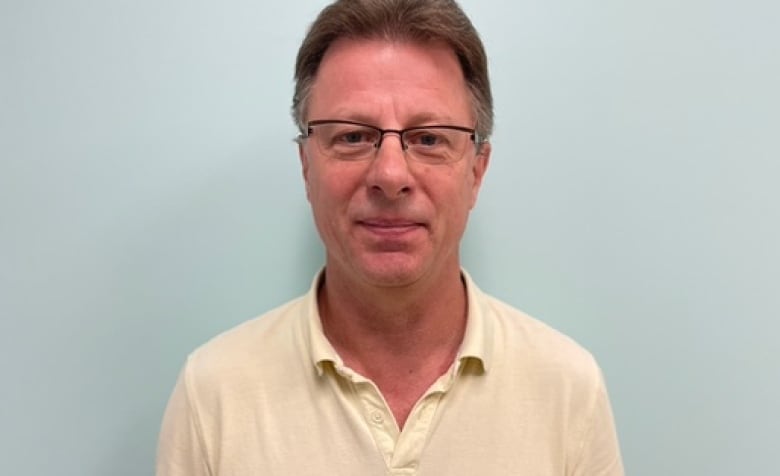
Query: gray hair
{"type": "Point", "coordinates": [397, 20]}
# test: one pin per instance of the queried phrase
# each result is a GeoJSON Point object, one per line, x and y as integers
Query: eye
{"type": "Point", "coordinates": [354, 137]}
{"type": "Point", "coordinates": [426, 138]}
{"type": "Point", "coordinates": [429, 139]}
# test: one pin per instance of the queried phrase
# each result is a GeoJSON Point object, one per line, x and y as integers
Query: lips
{"type": "Point", "coordinates": [385, 223]}
{"type": "Point", "coordinates": [390, 226]}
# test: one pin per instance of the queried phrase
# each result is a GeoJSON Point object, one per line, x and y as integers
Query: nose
{"type": "Point", "coordinates": [388, 174]}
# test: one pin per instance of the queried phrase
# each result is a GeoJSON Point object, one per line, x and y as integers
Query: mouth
{"type": "Point", "coordinates": [390, 227]}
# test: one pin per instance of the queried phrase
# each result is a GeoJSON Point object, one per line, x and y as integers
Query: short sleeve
{"type": "Point", "coordinates": [180, 447]}
{"type": "Point", "coordinates": [599, 450]}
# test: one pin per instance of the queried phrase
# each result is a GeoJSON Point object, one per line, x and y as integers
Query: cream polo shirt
{"type": "Point", "coordinates": [272, 397]}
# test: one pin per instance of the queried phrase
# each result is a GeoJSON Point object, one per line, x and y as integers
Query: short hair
{"type": "Point", "coordinates": [397, 20]}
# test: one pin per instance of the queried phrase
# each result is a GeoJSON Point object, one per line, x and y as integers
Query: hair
{"type": "Point", "coordinates": [420, 21]}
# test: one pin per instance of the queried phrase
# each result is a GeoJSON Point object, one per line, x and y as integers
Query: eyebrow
{"type": "Point", "coordinates": [416, 120]}
{"type": "Point", "coordinates": [424, 118]}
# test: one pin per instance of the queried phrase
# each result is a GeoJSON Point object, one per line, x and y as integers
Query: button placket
{"type": "Point", "coordinates": [412, 439]}
{"type": "Point", "coordinates": [377, 418]}
{"type": "Point", "coordinates": [376, 414]}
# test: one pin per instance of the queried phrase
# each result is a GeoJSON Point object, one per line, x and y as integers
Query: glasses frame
{"type": "Point", "coordinates": [473, 136]}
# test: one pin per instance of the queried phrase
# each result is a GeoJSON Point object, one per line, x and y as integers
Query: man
{"type": "Point", "coordinates": [395, 362]}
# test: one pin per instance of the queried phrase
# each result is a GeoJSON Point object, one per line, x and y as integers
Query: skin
{"type": "Point", "coordinates": [392, 304]}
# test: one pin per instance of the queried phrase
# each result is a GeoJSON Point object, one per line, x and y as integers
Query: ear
{"type": "Point", "coordinates": [304, 169]}
{"type": "Point", "coordinates": [478, 169]}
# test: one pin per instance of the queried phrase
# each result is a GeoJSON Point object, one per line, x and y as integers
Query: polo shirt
{"type": "Point", "coordinates": [272, 397]}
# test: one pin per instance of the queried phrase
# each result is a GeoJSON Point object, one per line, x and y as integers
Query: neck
{"type": "Point", "coordinates": [413, 327]}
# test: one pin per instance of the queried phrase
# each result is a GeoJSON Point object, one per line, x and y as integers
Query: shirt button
{"type": "Point", "coordinates": [377, 418]}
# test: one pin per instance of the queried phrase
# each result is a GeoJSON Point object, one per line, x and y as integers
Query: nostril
{"type": "Point", "coordinates": [385, 194]}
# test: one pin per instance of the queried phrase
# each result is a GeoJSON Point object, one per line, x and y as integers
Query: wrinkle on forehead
{"type": "Point", "coordinates": [400, 82]}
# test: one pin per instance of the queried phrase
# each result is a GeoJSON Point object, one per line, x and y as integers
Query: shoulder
{"type": "Point", "coordinates": [251, 349]}
{"type": "Point", "coordinates": [527, 343]}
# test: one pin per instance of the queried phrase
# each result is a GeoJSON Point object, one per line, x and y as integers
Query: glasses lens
{"type": "Point", "coordinates": [431, 144]}
{"type": "Point", "coordinates": [345, 141]}
{"type": "Point", "coordinates": [436, 144]}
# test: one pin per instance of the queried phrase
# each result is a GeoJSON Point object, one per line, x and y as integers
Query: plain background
{"type": "Point", "coordinates": [150, 197]}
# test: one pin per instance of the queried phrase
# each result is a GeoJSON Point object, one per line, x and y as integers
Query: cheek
{"type": "Point", "coordinates": [464, 190]}
{"type": "Point", "coordinates": [454, 197]}
{"type": "Point", "coordinates": [329, 190]}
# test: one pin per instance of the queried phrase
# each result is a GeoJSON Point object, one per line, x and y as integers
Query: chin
{"type": "Point", "coordinates": [392, 272]}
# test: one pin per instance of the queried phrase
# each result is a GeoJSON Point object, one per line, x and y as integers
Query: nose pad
{"type": "Point", "coordinates": [389, 174]}
{"type": "Point", "coordinates": [378, 145]}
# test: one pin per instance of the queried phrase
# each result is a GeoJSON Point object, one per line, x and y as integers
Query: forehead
{"type": "Point", "coordinates": [390, 81]}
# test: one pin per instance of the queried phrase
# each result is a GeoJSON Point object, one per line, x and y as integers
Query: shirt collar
{"type": "Point", "coordinates": [321, 350]}
{"type": "Point", "coordinates": [478, 338]}
{"type": "Point", "coordinates": [477, 342]}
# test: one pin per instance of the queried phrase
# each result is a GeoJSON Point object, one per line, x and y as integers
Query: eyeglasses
{"type": "Point", "coordinates": [354, 141]}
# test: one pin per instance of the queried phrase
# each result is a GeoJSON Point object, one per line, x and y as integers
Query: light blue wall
{"type": "Point", "coordinates": [150, 197]}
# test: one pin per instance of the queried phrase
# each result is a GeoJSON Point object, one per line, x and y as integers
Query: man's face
{"type": "Point", "coordinates": [389, 220]}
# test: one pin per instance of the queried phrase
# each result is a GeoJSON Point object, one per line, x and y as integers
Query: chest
{"type": "Point", "coordinates": [346, 429]}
